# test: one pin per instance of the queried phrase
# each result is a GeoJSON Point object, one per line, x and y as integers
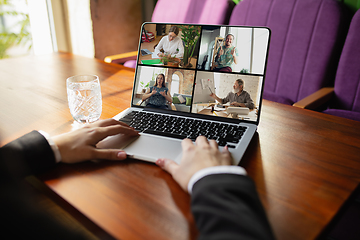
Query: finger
{"type": "Point", "coordinates": [104, 132]}
{"type": "Point", "coordinates": [201, 141]}
{"type": "Point", "coordinates": [108, 122]}
{"type": "Point", "coordinates": [213, 144]}
{"type": "Point", "coordinates": [168, 165]}
{"type": "Point", "coordinates": [227, 158]}
{"type": "Point", "coordinates": [109, 154]}
{"type": "Point", "coordinates": [186, 144]}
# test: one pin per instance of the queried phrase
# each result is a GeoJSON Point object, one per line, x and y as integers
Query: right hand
{"type": "Point", "coordinates": [221, 52]}
{"type": "Point", "coordinates": [194, 158]}
{"type": "Point", "coordinates": [153, 92]}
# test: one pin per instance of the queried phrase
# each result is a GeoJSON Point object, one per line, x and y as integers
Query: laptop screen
{"type": "Point", "coordinates": [211, 70]}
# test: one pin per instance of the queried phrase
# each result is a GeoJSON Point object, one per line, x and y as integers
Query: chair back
{"type": "Point", "coordinates": [193, 11]}
{"type": "Point", "coordinates": [347, 83]}
{"type": "Point", "coordinates": [306, 40]}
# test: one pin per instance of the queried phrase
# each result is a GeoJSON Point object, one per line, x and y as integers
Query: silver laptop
{"type": "Point", "coordinates": [189, 86]}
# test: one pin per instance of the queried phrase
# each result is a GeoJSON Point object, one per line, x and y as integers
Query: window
{"type": "Point", "coordinates": [175, 84]}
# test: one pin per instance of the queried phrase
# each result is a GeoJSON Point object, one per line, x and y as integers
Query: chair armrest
{"type": "Point", "coordinates": [315, 100]}
{"type": "Point", "coordinates": [121, 58]}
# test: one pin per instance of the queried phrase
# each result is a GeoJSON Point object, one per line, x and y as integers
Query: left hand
{"type": "Point", "coordinates": [233, 51]}
{"type": "Point", "coordinates": [163, 93]}
{"type": "Point", "coordinates": [80, 145]}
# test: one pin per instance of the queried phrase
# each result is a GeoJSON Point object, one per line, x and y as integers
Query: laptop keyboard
{"type": "Point", "coordinates": [180, 127]}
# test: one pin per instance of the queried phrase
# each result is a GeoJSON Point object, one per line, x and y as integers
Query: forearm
{"type": "Point", "coordinates": [228, 206]}
{"type": "Point", "coordinates": [250, 105]}
{"type": "Point", "coordinates": [168, 98]}
{"type": "Point", "coordinates": [235, 59]}
{"type": "Point", "coordinates": [146, 96]}
{"type": "Point", "coordinates": [218, 99]}
{"type": "Point", "coordinates": [29, 154]}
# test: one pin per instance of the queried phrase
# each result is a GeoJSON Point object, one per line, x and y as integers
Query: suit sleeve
{"type": "Point", "coordinates": [227, 206]}
{"type": "Point", "coordinates": [22, 214]}
{"type": "Point", "coordinates": [29, 154]}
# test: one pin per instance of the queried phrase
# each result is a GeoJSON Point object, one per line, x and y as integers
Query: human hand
{"type": "Point", "coordinates": [80, 145]}
{"type": "Point", "coordinates": [221, 51]}
{"type": "Point", "coordinates": [160, 54]}
{"type": "Point", "coordinates": [153, 92]}
{"type": "Point", "coordinates": [233, 51]}
{"type": "Point", "coordinates": [212, 95]}
{"type": "Point", "coordinates": [163, 93]}
{"type": "Point", "coordinates": [236, 104]}
{"type": "Point", "coordinates": [194, 158]}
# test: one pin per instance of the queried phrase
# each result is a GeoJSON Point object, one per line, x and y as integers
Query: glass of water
{"type": "Point", "coordinates": [84, 97]}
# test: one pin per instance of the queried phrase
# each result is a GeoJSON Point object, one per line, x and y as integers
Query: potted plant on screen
{"type": "Point", "coordinates": [190, 35]}
{"type": "Point", "coordinates": [144, 86]}
{"type": "Point", "coordinates": [168, 60]}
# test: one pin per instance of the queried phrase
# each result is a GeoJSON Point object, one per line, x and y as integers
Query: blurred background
{"type": "Point", "coordinates": [91, 28]}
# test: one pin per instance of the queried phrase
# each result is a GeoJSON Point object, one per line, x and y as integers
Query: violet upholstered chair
{"type": "Point", "coordinates": [193, 11]}
{"type": "Point", "coordinates": [345, 96]}
{"type": "Point", "coordinates": [305, 45]}
{"type": "Point", "coordinates": [183, 11]}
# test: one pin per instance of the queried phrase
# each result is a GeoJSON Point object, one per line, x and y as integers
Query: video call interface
{"type": "Point", "coordinates": [205, 69]}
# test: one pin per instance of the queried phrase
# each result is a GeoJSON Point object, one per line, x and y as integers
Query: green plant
{"type": "Point", "coordinates": [190, 35]}
{"type": "Point", "coordinates": [167, 58]}
{"type": "Point", "coordinates": [9, 38]}
{"type": "Point", "coordinates": [244, 70]}
{"type": "Point", "coordinates": [143, 85]}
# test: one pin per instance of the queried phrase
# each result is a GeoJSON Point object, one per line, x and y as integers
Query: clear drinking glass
{"type": "Point", "coordinates": [84, 97]}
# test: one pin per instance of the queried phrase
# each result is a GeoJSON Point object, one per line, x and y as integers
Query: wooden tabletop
{"type": "Point", "coordinates": [305, 164]}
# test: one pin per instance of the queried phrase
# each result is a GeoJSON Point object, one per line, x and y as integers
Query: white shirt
{"type": "Point", "coordinates": [171, 46]}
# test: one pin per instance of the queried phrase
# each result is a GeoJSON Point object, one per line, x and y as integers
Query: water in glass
{"type": "Point", "coordinates": [84, 97]}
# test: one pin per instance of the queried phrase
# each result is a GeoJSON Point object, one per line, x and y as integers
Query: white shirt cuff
{"type": "Point", "coordinates": [53, 146]}
{"type": "Point", "coordinates": [214, 170]}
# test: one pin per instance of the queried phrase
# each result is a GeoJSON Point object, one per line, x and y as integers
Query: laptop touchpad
{"type": "Point", "coordinates": [151, 147]}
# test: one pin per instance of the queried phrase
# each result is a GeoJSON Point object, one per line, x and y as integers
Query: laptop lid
{"type": "Point", "coordinates": [198, 80]}
{"type": "Point", "coordinates": [202, 69]}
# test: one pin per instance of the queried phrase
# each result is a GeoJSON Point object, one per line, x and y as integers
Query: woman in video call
{"type": "Point", "coordinates": [171, 44]}
{"type": "Point", "coordinates": [158, 94]}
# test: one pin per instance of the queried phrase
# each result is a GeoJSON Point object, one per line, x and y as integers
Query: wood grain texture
{"type": "Point", "coordinates": [305, 164]}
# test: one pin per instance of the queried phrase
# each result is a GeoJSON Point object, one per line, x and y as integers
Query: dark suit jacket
{"type": "Point", "coordinates": [225, 206]}
{"type": "Point", "coordinates": [21, 216]}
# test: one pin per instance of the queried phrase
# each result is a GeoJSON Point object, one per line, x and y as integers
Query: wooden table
{"type": "Point", "coordinates": [304, 164]}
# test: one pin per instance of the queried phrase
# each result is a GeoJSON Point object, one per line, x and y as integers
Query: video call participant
{"type": "Point", "coordinates": [224, 200]}
{"type": "Point", "coordinates": [158, 94]}
{"type": "Point", "coordinates": [226, 55]}
{"type": "Point", "coordinates": [238, 97]}
{"type": "Point", "coordinates": [171, 44]}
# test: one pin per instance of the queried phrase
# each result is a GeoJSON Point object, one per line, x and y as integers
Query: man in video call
{"type": "Point", "coordinates": [226, 55]}
{"type": "Point", "coordinates": [238, 97]}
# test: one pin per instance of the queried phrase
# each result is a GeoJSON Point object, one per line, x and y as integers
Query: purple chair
{"type": "Point", "coordinates": [306, 40]}
{"type": "Point", "coordinates": [345, 96]}
{"type": "Point", "coordinates": [186, 11]}
{"type": "Point", "coordinates": [193, 11]}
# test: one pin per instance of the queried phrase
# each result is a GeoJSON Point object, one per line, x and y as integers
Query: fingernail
{"type": "Point", "coordinates": [121, 155]}
{"type": "Point", "coordinates": [159, 162]}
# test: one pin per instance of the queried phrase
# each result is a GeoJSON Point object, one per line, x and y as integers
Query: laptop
{"type": "Point", "coordinates": [186, 93]}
